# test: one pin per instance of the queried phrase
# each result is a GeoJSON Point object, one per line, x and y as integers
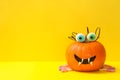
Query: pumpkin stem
{"type": "Point", "coordinates": [87, 30]}
{"type": "Point", "coordinates": [73, 36]}
{"type": "Point", "coordinates": [97, 31]}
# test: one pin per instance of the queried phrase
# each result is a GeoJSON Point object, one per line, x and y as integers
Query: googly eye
{"type": "Point", "coordinates": [91, 37]}
{"type": "Point", "coordinates": [80, 37]}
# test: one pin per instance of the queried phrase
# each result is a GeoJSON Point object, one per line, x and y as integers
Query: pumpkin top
{"type": "Point", "coordinates": [90, 37]}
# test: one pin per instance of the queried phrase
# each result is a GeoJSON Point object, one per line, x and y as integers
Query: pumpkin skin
{"type": "Point", "coordinates": [85, 51]}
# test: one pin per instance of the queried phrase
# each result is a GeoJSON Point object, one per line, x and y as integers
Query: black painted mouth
{"type": "Point", "coordinates": [85, 61]}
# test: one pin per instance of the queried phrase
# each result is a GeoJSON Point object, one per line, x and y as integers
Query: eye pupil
{"type": "Point", "coordinates": [91, 37]}
{"type": "Point", "coordinates": [80, 37]}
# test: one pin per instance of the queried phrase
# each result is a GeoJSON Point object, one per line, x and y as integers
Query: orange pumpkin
{"type": "Point", "coordinates": [86, 54]}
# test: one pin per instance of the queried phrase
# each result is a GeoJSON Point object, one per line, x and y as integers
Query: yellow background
{"type": "Point", "coordinates": [33, 37]}
{"type": "Point", "coordinates": [32, 30]}
{"type": "Point", "coordinates": [49, 71]}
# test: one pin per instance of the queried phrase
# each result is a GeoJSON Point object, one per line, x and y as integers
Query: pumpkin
{"type": "Point", "coordinates": [86, 53]}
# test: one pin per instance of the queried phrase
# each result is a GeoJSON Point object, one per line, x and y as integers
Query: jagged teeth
{"type": "Point", "coordinates": [79, 63]}
{"type": "Point", "coordinates": [88, 60]}
{"type": "Point", "coordinates": [91, 63]}
{"type": "Point", "coordinates": [82, 61]}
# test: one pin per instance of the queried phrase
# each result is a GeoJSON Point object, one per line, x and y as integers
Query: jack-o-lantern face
{"type": "Point", "coordinates": [86, 54]}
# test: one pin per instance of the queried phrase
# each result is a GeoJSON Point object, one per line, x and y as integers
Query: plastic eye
{"type": "Point", "coordinates": [91, 37]}
{"type": "Point", "coordinates": [80, 37]}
